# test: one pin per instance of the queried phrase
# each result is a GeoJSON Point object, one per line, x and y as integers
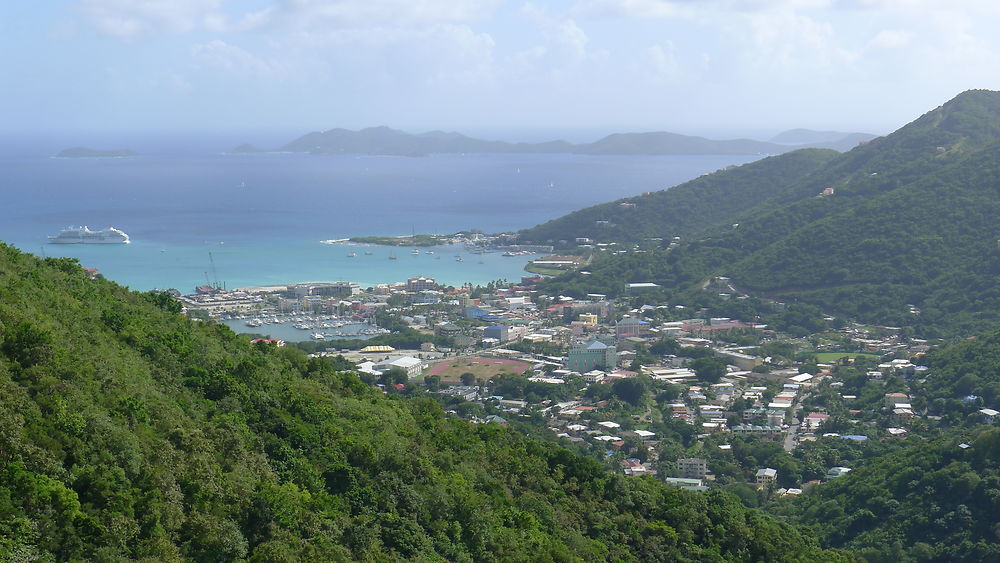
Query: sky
{"type": "Point", "coordinates": [718, 68]}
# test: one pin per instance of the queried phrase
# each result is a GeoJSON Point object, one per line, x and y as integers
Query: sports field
{"type": "Point", "coordinates": [482, 368]}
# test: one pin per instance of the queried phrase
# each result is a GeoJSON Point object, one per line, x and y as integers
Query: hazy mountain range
{"type": "Point", "coordinates": [387, 141]}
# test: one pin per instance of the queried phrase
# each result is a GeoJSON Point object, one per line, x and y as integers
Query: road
{"type": "Point", "coordinates": [790, 437]}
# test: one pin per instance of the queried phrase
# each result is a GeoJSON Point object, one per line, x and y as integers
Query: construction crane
{"type": "Point", "coordinates": [215, 274]}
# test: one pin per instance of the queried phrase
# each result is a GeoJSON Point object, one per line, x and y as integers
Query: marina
{"type": "Point", "coordinates": [301, 327]}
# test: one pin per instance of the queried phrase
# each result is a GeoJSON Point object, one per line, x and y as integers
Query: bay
{"type": "Point", "coordinates": [258, 219]}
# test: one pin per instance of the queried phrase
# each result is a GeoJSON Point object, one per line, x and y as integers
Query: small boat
{"type": "Point", "coordinates": [414, 252]}
{"type": "Point", "coordinates": [352, 254]}
{"type": "Point", "coordinates": [459, 259]}
{"type": "Point", "coordinates": [368, 253]}
{"type": "Point", "coordinates": [392, 255]}
{"type": "Point", "coordinates": [318, 336]}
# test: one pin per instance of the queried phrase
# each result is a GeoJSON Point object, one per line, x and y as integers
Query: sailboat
{"type": "Point", "coordinates": [392, 255]}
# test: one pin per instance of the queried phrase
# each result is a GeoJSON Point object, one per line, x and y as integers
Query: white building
{"type": "Point", "coordinates": [412, 366]}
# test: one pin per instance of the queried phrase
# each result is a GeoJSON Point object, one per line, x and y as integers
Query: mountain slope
{"type": "Point", "coordinates": [933, 501]}
{"type": "Point", "coordinates": [909, 222]}
{"type": "Point", "coordinates": [130, 432]}
{"type": "Point", "coordinates": [691, 208]}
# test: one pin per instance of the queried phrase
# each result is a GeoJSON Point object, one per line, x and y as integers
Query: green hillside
{"type": "Point", "coordinates": [932, 501]}
{"type": "Point", "coordinates": [691, 208]}
{"type": "Point", "coordinates": [910, 223]}
{"type": "Point", "coordinates": [128, 431]}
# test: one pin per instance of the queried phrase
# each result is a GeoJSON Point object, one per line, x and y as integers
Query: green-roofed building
{"type": "Point", "coordinates": [590, 356]}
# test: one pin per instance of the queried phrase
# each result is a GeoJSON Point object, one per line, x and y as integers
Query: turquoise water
{"type": "Point", "coordinates": [260, 217]}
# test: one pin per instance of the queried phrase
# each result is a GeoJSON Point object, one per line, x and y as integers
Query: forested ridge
{"type": "Point", "coordinates": [691, 208]}
{"type": "Point", "coordinates": [128, 431]}
{"type": "Point", "coordinates": [909, 222]}
{"type": "Point", "coordinates": [932, 501]}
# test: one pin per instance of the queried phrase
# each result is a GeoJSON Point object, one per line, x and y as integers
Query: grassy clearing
{"type": "Point", "coordinates": [482, 368]}
{"type": "Point", "coordinates": [832, 357]}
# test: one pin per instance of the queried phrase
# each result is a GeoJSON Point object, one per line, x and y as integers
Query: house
{"type": "Point", "coordinates": [514, 303]}
{"type": "Point", "coordinates": [420, 284]}
{"type": "Point", "coordinates": [893, 399]}
{"type": "Point", "coordinates": [765, 432]}
{"type": "Point", "coordinates": [633, 466]}
{"type": "Point", "coordinates": [835, 472]}
{"type": "Point", "coordinates": [814, 419]}
{"type": "Point", "coordinates": [448, 329]}
{"type": "Point", "coordinates": [684, 483]}
{"type": "Point", "coordinates": [742, 361]}
{"type": "Point", "coordinates": [766, 476]}
{"type": "Point", "coordinates": [631, 327]}
{"type": "Point", "coordinates": [988, 415]}
{"type": "Point", "coordinates": [464, 392]}
{"type": "Point", "coordinates": [692, 467]}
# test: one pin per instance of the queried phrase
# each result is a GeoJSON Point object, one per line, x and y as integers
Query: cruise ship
{"type": "Point", "coordinates": [83, 235]}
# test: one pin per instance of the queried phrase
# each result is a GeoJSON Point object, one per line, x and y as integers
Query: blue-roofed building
{"type": "Point", "coordinates": [480, 314]}
{"type": "Point", "coordinates": [590, 356]}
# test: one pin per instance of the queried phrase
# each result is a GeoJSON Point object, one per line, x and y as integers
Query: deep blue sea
{"type": "Point", "coordinates": [260, 217]}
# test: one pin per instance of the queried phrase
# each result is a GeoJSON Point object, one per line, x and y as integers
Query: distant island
{"type": "Point", "coordinates": [387, 141]}
{"type": "Point", "coordinates": [84, 152]}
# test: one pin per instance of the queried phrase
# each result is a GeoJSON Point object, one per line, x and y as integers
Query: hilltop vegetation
{"type": "Point", "coordinates": [692, 208]}
{"type": "Point", "coordinates": [909, 222]}
{"type": "Point", "coordinates": [932, 501]}
{"type": "Point", "coordinates": [129, 431]}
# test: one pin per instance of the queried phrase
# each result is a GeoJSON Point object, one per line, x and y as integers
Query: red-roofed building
{"type": "Point", "coordinates": [814, 419]}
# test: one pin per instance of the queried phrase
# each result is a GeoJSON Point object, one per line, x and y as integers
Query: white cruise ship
{"type": "Point", "coordinates": [83, 235]}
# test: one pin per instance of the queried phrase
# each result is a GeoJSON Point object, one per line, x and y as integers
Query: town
{"type": "Point", "coordinates": [650, 389]}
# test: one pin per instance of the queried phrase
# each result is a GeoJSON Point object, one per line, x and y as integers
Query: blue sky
{"type": "Point", "coordinates": [713, 67]}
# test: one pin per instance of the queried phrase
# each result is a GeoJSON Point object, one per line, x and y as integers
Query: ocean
{"type": "Point", "coordinates": [258, 219]}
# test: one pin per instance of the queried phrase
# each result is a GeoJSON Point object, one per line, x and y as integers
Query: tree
{"type": "Point", "coordinates": [709, 369]}
{"type": "Point", "coordinates": [468, 378]}
{"type": "Point", "coordinates": [433, 382]}
{"type": "Point", "coordinates": [393, 376]}
{"type": "Point", "coordinates": [632, 390]}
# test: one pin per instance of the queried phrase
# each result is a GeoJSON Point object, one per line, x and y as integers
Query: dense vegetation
{"type": "Point", "coordinates": [910, 223]}
{"type": "Point", "coordinates": [963, 378]}
{"type": "Point", "coordinates": [932, 501]}
{"type": "Point", "coordinates": [692, 208]}
{"type": "Point", "coordinates": [129, 431]}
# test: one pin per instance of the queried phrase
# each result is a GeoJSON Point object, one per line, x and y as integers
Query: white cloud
{"type": "Point", "coordinates": [336, 14]}
{"type": "Point", "coordinates": [131, 18]}
{"type": "Point", "coordinates": [890, 38]}
{"type": "Point", "coordinates": [564, 42]}
{"type": "Point", "coordinates": [219, 54]}
{"type": "Point", "coordinates": [663, 60]}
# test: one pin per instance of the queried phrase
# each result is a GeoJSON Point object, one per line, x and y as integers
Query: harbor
{"type": "Point", "coordinates": [302, 327]}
